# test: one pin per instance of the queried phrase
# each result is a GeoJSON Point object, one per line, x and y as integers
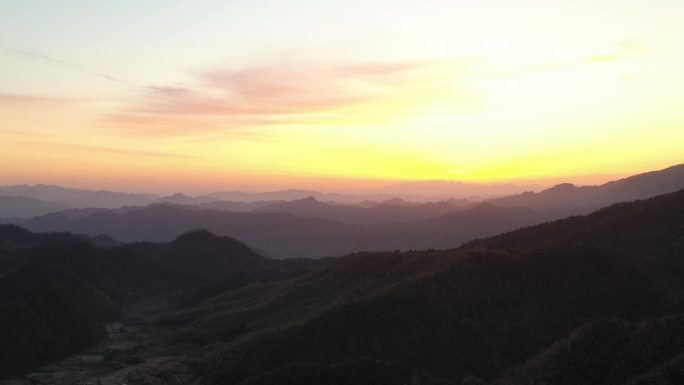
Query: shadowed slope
{"type": "Point", "coordinates": [452, 315]}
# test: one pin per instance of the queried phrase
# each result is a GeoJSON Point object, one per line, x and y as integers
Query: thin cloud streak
{"type": "Point", "coordinates": [8, 132]}
{"type": "Point", "coordinates": [63, 63]}
{"type": "Point", "coordinates": [19, 99]}
{"type": "Point", "coordinates": [104, 150]}
{"type": "Point", "coordinates": [624, 50]}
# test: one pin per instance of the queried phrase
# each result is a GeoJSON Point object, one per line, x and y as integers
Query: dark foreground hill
{"type": "Point", "coordinates": [587, 300]}
{"type": "Point", "coordinates": [57, 289]}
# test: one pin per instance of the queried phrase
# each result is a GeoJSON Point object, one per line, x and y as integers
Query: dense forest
{"type": "Point", "coordinates": [513, 312]}
{"type": "Point", "coordinates": [593, 299]}
{"type": "Point", "coordinates": [57, 289]}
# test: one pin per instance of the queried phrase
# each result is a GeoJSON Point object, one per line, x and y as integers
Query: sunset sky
{"type": "Point", "coordinates": [260, 94]}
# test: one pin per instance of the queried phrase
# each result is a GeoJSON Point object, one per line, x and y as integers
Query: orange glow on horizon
{"type": "Point", "coordinates": [580, 92]}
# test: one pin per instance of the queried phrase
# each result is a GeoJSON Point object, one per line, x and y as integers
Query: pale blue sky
{"type": "Point", "coordinates": [157, 41]}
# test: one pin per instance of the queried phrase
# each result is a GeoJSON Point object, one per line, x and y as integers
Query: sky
{"type": "Point", "coordinates": [262, 94]}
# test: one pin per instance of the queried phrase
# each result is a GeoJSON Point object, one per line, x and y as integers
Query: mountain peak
{"type": "Point", "coordinates": [309, 199]}
{"type": "Point", "coordinates": [396, 202]}
{"type": "Point", "coordinates": [562, 187]}
{"type": "Point", "coordinates": [199, 235]}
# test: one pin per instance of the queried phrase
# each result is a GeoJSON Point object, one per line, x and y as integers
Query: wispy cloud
{"type": "Point", "coordinates": [284, 93]}
{"type": "Point", "coordinates": [101, 149]}
{"type": "Point", "coordinates": [23, 99]}
{"type": "Point", "coordinates": [624, 50]}
{"type": "Point", "coordinates": [21, 133]}
{"type": "Point", "coordinates": [63, 63]}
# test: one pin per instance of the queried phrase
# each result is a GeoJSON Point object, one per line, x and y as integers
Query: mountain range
{"type": "Point", "coordinates": [72, 197]}
{"type": "Point", "coordinates": [312, 228]}
{"type": "Point", "coordinates": [383, 212]}
{"type": "Point", "coordinates": [23, 202]}
{"type": "Point", "coordinates": [593, 300]}
{"type": "Point", "coordinates": [584, 199]}
{"type": "Point", "coordinates": [284, 235]}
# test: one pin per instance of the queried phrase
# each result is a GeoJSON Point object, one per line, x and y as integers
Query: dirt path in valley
{"type": "Point", "coordinates": [110, 363]}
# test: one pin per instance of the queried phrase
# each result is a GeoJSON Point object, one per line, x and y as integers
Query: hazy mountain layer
{"type": "Point", "coordinates": [284, 235]}
{"type": "Point", "coordinates": [526, 311]}
{"type": "Point", "coordinates": [584, 199]}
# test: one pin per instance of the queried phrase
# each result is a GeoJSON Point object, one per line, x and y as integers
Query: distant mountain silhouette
{"type": "Point", "coordinates": [585, 199]}
{"type": "Point", "coordinates": [419, 191]}
{"type": "Point", "coordinates": [78, 198]}
{"type": "Point", "coordinates": [284, 195]}
{"type": "Point", "coordinates": [181, 199]}
{"type": "Point", "coordinates": [24, 207]}
{"type": "Point", "coordinates": [366, 203]}
{"type": "Point", "coordinates": [445, 189]}
{"type": "Point", "coordinates": [12, 221]}
{"type": "Point", "coordinates": [284, 235]}
{"type": "Point", "coordinates": [395, 210]}
{"type": "Point", "coordinates": [397, 202]}
{"type": "Point", "coordinates": [240, 207]}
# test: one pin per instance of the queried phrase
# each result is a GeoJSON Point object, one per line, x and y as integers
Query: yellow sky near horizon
{"type": "Point", "coordinates": [339, 96]}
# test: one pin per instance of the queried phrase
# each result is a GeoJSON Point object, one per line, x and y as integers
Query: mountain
{"type": "Point", "coordinates": [444, 189]}
{"type": "Point", "coordinates": [181, 199]}
{"type": "Point", "coordinates": [366, 204]}
{"type": "Point", "coordinates": [389, 211]}
{"type": "Point", "coordinates": [13, 237]}
{"type": "Point", "coordinates": [25, 207]}
{"type": "Point", "coordinates": [287, 236]}
{"type": "Point", "coordinates": [12, 221]}
{"type": "Point", "coordinates": [111, 199]}
{"type": "Point", "coordinates": [418, 191]}
{"type": "Point", "coordinates": [57, 289]}
{"type": "Point", "coordinates": [610, 352]}
{"type": "Point", "coordinates": [584, 199]}
{"type": "Point", "coordinates": [588, 300]}
{"type": "Point", "coordinates": [593, 300]}
{"type": "Point", "coordinates": [625, 225]}
{"type": "Point", "coordinates": [397, 202]}
{"type": "Point", "coordinates": [280, 235]}
{"type": "Point", "coordinates": [284, 195]}
{"type": "Point", "coordinates": [201, 252]}
{"type": "Point", "coordinates": [77, 198]}
{"type": "Point", "coordinates": [240, 207]}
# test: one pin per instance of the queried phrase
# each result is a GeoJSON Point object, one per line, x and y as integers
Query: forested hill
{"type": "Point", "coordinates": [523, 311]}
{"type": "Point", "coordinates": [57, 289]}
